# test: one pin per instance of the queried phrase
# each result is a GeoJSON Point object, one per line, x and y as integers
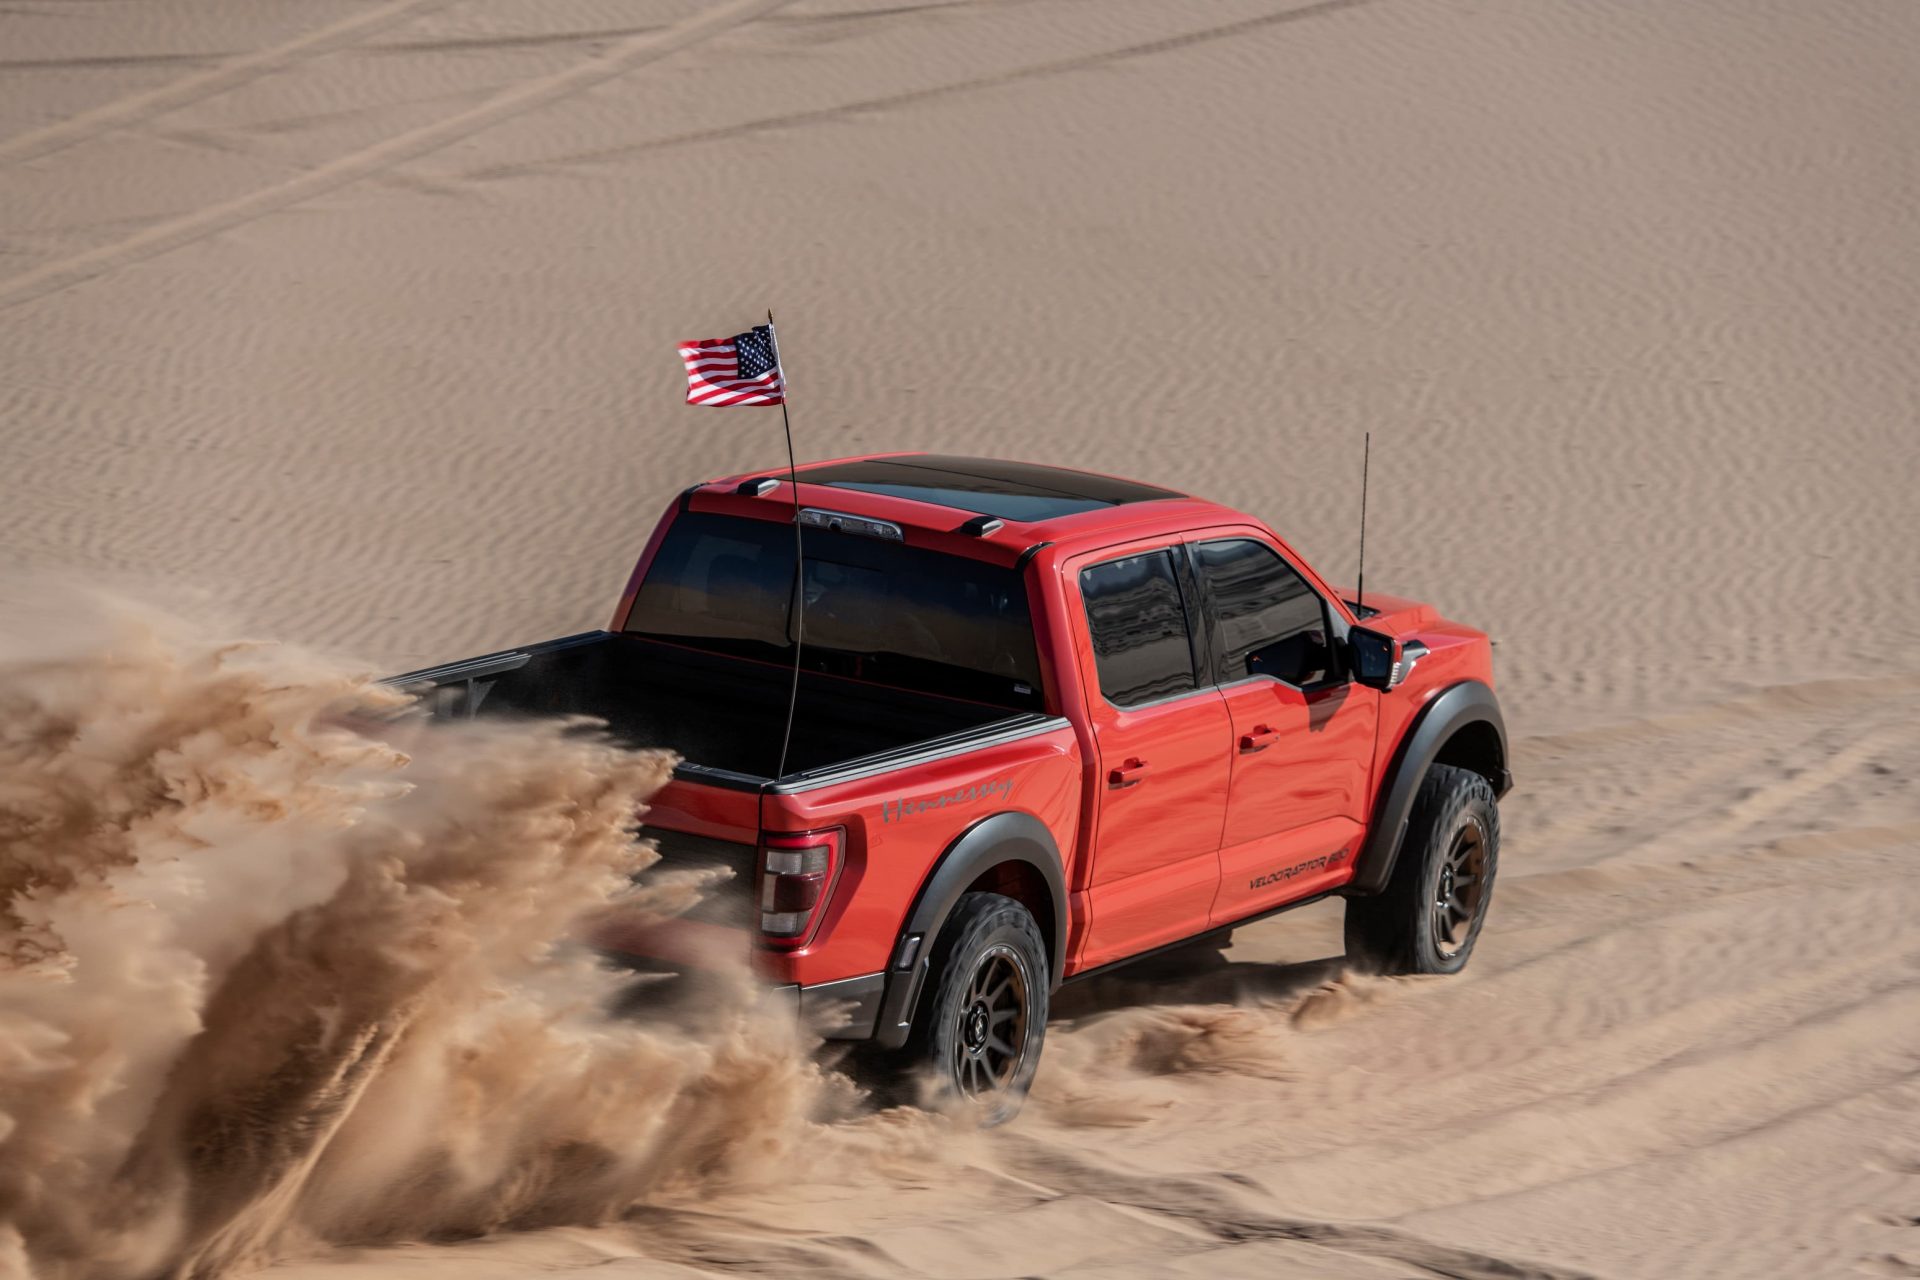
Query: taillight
{"type": "Point", "coordinates": [796, 874]}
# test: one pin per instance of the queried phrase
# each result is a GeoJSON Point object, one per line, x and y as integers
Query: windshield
{"type": "Point", "coordinates": [876, 610]}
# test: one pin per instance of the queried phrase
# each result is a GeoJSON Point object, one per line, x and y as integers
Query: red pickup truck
{"type": "Point", "coordinates": [1048, 722]}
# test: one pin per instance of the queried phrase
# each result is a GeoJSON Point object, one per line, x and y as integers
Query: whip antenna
{"type": "Point", "coordinates": [1366, 456]}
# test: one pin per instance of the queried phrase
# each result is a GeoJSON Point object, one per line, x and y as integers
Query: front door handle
{"type": "Point", "coordinates": [1128, 774]}
{"type": "Point", "coordinates": [1260, 739]}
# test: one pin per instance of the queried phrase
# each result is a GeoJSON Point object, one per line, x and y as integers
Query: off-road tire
{"type": "Point", "coordinates": [1429, 916]}
{"type": "Point", "coordinates": [975, 1042]}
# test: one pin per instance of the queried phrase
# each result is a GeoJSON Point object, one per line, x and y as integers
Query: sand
{"type": "Point", "coordinates": [353, 324]}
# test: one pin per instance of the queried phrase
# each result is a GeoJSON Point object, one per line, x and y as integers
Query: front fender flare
{"type": "Point", "coordinates": [1456, 706]}
{"type": "Point", "coordinates": [1003, 837]}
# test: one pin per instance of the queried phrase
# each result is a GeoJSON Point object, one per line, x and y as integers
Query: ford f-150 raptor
{"type": "Point", "coordinates": [1047, 722]}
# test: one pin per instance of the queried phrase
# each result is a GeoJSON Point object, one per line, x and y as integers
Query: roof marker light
{"type": "Point", "coordinates": [841, 522]}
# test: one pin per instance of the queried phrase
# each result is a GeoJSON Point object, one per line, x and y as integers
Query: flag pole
{"type": "Point", "coordinates": [799, 562]}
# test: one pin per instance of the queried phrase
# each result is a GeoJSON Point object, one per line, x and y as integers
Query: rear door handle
{"type": "Point", "coordinates": [1260, 739]}
{"type": "Point", "coordinates": [1128, 774]}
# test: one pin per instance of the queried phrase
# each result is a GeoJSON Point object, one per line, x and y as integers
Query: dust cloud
{"type": "Point", "coordinates": [283, 965]}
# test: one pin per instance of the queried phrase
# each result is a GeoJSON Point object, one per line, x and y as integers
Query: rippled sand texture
{"type": "Point", "coordinates": [352, 323]}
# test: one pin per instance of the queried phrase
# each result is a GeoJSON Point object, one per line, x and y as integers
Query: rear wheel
{"type": "Point", "coordinates": [1429, 916]}
{"type": "Point", "coordinates": [984, 1017]}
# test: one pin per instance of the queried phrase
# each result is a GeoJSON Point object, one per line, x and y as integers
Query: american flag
{"type": "Point", "coordinates": [743, 369]}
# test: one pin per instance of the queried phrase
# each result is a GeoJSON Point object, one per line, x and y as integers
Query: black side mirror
{"type": "Point", "coordinates": [1380, 661]}
{"type": "Point", "coordinates": [1376, 658]}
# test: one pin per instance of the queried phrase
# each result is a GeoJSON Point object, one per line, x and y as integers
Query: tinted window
{"type": "Point", "coordinates": [877, 610]}
{"type": "Point", "coordinates": [1266, 619]}
{"type": "Point", "coordinates": [1140, 631]}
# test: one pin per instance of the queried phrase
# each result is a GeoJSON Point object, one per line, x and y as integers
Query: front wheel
{"type": "Point", "coordinates": [985, 1018]}
{"type": "Point", "coordinates": [1428, 917]}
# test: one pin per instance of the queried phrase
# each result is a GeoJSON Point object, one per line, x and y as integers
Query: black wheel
{"type": "Point", "coordinates": [1428, 917]}
{"type": "Point", "coordinates": [984, 1016]}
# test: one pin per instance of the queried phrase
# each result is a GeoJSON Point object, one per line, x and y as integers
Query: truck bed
{"type": "Point", "coordinates": [724, 715]}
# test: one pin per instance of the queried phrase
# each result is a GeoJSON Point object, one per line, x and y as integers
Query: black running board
{"type": "Point", "coordinates": [1210, 931]}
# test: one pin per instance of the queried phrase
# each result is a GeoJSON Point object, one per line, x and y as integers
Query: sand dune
{"type": "Point", "coordinates": [352, 322]}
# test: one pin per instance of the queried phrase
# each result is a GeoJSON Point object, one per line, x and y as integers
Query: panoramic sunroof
{"type": "Point", "coordinates": [1017, 491]}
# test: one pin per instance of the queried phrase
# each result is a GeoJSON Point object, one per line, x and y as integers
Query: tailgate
{"type": "Point", "coordinates": [702, 832]}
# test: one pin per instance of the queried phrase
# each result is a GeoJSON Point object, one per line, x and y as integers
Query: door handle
{"type": "Point", "coordinates": [1260, 739]}
{"type": "Point", "coordinates": [1128, 774]}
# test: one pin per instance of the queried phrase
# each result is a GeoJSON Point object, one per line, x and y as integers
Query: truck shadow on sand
{"type": "Point", "coordinates": [1197, 974]}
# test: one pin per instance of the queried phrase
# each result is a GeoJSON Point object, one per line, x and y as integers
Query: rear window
{"type": "Point", "coordinates": [875, 610]}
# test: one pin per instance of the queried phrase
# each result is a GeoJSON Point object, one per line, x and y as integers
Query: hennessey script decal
{"type": "Point", "coordinates": [906, 807]}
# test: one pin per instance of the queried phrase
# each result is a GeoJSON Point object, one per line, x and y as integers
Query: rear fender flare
{"type": "Point", "coordinates": [1003, 837]}
{"type": "Point", "coordinates": [1455, 707]}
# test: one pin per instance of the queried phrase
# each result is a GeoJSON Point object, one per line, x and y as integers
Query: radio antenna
{"type": "Point", "coordinates": [1360, 587]}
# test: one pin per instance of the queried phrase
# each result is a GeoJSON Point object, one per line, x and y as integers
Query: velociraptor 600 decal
{"type": "Point", "coordinates": [1333, 859]}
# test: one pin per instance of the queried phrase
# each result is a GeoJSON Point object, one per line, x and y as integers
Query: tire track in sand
{"type": "Point", "coordinates": [1213, 1210]}
{"type": "Point", "coordinates": [174, 232]}
{"type": "Point", "coordinates": [1741, 775]}
{"type": "Point", "coordinates": [909, 97]}
{"type": "Point", "coordinates": [207, 84]}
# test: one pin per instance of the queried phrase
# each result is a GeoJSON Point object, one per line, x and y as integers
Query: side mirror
{"type": "Point", "coordinates": [1380, 661]}
{"type": "Point", "coordinates": [1376, 658]}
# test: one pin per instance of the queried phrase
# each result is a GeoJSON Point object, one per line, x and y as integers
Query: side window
{"type": "Point", "coordinates": [1266, 619]}
{"type": "Point", "coordinates": [1140, 630]}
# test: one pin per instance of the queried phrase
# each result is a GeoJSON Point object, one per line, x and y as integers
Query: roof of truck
{"type": "Point", "coordinates": [985, 508]}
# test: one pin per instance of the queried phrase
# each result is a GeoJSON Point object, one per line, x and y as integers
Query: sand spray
{"type": "Point", "coordinates": [284, 964]}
